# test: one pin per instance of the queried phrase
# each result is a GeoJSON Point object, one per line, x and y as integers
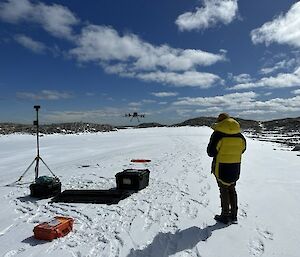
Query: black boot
{"type": "Point", "coordinates": [225, 219]}
{"type": "Point", "coordinates": [233, 219]}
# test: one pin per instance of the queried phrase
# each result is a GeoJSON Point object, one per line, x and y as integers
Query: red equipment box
{"type": "Point", "coordinates": [57, 227]}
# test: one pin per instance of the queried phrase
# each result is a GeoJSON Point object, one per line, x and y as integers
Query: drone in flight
{"type": "Point", "coordinates": [134, 115]}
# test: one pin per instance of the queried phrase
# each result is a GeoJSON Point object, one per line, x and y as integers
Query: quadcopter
{"type": "Point", "coordinates": [134, 115]}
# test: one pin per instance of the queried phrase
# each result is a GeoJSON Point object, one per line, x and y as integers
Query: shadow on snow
{"type": "Point", "coordinates": [34, 242]}
{"type": "Point", "coordinates": [166, 244]}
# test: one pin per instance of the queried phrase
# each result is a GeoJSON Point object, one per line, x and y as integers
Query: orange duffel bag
{"type": "Point", "coordinates": [57, 227]}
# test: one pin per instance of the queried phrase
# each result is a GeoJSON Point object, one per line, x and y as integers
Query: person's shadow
{"type": "Point", "coordinates": [166, 244]}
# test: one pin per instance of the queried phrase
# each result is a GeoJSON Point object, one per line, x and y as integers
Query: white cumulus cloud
{"type": "Point", "coordinates": [102, 43]}
{"type": "Point", "coordinates": [281, 65]}
{"type": "Point", "coordinates": [281, 80]}
{"type": "Point", "coordinates": [296, 92]}
{"type": "Point", "coordinates": [44, 95]}
{"type": "Point", "coordinates": [125, 55]}
{"type": "Point", "coordinates": [212, 13]}
{"type": "Point", "coordinates": [284, 29]}
{"type": "Point", "coordinates": [164, 94]}
{"type": "Point", "coordinates": [241, 104]}
{"type": "Point", "coordinates": [185, 79]}
{"type": "Point", "coordinates": [215, 101]}
{"type": "Point", "coordinates": [104, 115]}
{"type": "Point", "coordinates": [29, 43]}
{"type": "Point", "coordinates": [242, 78]}
{"type": "Point", "coordinates": [55, 19]}
{"type": "Point", "coordinates": [129, 56]}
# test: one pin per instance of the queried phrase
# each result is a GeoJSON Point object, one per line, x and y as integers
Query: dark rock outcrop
{"type": "Point", "coordinates": [283, 131]}
{"type": "Point", "coordinates": [61, 128]}
{"type": "Point", "coordinates": [284, 125]}
{"type": "Point", "coordinates": [150, 125]}
{"type": "Point", "coordinates": [208, 121]}
{"type": "Point", "coordinates": [200, 121]}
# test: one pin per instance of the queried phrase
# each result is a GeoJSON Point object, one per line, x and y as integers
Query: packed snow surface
{"type": "Point", "coordinates": [173, 216]}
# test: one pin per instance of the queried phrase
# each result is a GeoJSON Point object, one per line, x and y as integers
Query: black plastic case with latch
{"type": "Point", "coordinates": [45, 187]}
{"type": "Point", "coordinates": [133, 179]}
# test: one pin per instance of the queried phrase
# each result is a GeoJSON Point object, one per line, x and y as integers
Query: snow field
{"type": "Point", "coordinates": [173, 216]}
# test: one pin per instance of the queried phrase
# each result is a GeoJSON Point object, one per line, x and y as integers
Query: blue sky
{"type": "Point", "coordinates": [171, 60]}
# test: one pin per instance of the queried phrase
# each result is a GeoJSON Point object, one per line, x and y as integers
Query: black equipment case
{"type": "Point", "coordinates": [45, 187]}
{"type": "Point", "coordinates": [133, 179]}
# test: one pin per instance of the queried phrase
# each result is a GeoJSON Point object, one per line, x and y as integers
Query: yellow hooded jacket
{"type": "Point", "coordinates": [226, 146]}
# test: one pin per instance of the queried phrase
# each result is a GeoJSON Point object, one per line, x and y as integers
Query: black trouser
{"type": "Point", "coordinates": [228, 199]}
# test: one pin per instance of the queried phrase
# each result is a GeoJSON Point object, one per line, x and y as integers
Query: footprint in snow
{"type": "Point", "coordinates": [189, 210]}
{"type": "Point", "coordinates": [265, 233]}
{"type": "Point", "coordinates": [186, 188]}
{"type": "Point", "coordinates": [204, 190]}
{"type": "Point", "coordinates": [256, 247]}
{"type": "Point", "coordinates": [204, 202]}
{"type": "Point", "coordinates": [242, 212]}
{"type": "Point", "coordinates": [14, 252]}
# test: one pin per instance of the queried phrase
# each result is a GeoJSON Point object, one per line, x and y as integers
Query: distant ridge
{"type": "Point", "coordinates": [150, 125]}
{"type": "Point", "coordinates": [281, 131]}
{"type": "Point", "coordinates": [200, 121]}
{"type": "Point", "coordinates": [59, 128]}
{"type": "Point", "coordinates": [208, 121]}
{"type": "Point", "coordinates": [285, 125]}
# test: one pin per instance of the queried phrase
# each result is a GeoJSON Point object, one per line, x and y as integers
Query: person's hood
{"type": "Point", "coordinates": [227, 126]}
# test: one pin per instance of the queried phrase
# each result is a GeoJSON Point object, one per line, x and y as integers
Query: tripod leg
{"type": "Point", "coordinates": [37, 168]}
{"type": "Point", "coordinates": [26, 170]}
{"type": "Point", "coordinates": [47, 167]}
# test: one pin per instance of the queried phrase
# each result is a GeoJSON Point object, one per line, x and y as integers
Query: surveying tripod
{"type": "Point", "coordinates": [38, 158]}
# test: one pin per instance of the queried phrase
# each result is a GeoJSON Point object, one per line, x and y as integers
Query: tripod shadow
{"type": "Point", "coordinates": [167, 244]}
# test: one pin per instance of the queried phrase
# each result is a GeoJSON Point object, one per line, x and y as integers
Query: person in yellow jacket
{"type": "Point", "coordinates": [226, 146]}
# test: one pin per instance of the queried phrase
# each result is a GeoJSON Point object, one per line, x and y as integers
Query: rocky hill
{"type": "Point", "coordinates": [61, 128]}
{"type": "Point", "coordinates": [150, 125]}
{"type": "Point", "coordinates": [283, 131]}
{"type": "Point", "coordinates": [208, 121]}
{"type": "Point", "coordinates": [285, 125]}
{"type": "Point", "coordinates": [200, 121]}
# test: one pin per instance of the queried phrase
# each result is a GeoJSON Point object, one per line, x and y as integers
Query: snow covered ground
{"type": "Point", "coordinates": [173, 216]}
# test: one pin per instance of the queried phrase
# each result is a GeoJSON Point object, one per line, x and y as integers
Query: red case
{"type": "Point", "coordinates": [57, 227]}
